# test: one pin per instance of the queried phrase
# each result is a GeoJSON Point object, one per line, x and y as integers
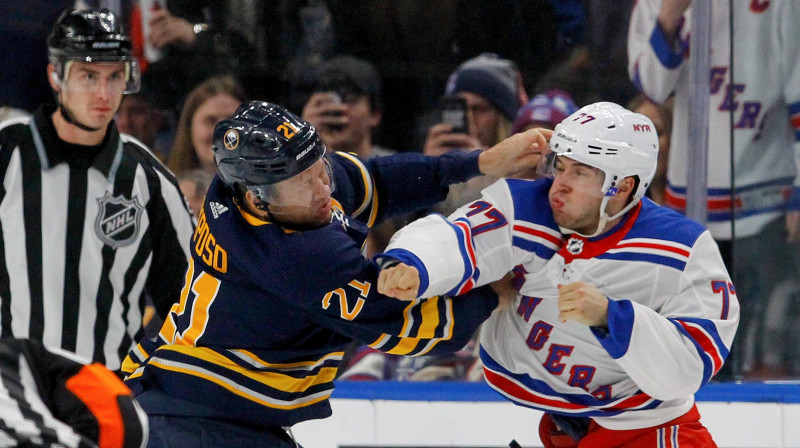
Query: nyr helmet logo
{"type": "Point", "coordinates": [231, 139]}
{"type": "Point", "coordinates": [117, 222]}
{"type": "Point", "coordinates": [574, 246]}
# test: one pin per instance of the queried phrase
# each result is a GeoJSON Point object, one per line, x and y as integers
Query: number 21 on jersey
{"type": "Point", "coordinates": [187, 319]}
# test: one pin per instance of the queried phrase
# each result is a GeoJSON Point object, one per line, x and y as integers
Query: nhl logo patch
{"type": "Point", "coordinates": [574, 246]}
{"type": "Point", "coordinates": [117, 222]}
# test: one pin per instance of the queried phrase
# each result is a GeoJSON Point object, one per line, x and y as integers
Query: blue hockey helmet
{"type": "Point", "coordinates": [263, 144]}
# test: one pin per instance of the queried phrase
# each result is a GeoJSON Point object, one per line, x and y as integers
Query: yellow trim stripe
{"type": "Point", "coordinates": [251, 219]}
{"type": "Point", "coordinates": [272, 379]}
{"type": "Point", "coordinates": [380, 342]}
{"type": "Point", "coordinates": [251, 358]}
{"type": "Point", "coordinates": [129, 365]}
{"type": "Point", "coordinates": [430, 318]}
{"type": "Point", "coordinates": [136, 373]}
{"type": "Point", "coordinates": [336, 205]}
{"type": "Point", "coordinates": [408, 318]}
{"type": "Point", "coordinates": [430, 321]}
{"type": "Point", "coordinates": [365, 176]}
{"type": "Point", "coordinates": [373, 215]}
{"type": "Point", "coordinates": [405, 346]}
{"type": "Point", "coordinates": [238, 389]}
{"type": "Point", "coordinates": [448, 329]}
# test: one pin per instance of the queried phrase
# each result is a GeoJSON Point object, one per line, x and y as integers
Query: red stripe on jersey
{"type": "Point", "coordinates": [470, 252]}
{"type": "Point", "coordinates": [679, 202]}
{"type": "Point", "coordinates": [718, 203]}
{"type": "Point", "coordinates": [538, 233]}
{"type": "Point", "coordinates": [600, 245]}
{"type": "Point", "coordinates": [466, 288]}
{"type": "Point", "coordinates": [520, 392]}
{"type": "Point", "coordinates": [796, 121]}
{"type": "Point", "coordinates": [517, 391]}
{"type": "Point", "coordinates": [672, 249]}
{"type": "Point", "coordinates": [467, 241]}
{"type": "Point", "coordinates": [706, 343]}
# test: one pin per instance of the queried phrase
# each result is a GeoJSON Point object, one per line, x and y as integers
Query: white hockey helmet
{"type": "Point", "coordinates": [614, 140]}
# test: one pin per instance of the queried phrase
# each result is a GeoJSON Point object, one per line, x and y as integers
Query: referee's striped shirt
{"type": "Point", "coordinates": [50, 398]}
{"type": "Point", "coordinates": [80, 245]}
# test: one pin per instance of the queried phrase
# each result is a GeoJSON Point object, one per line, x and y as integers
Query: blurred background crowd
{"type": "Point", "coordinates": [377, 77]}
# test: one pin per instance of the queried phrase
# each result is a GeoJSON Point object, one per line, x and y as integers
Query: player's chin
{"type": "Point", "coordinates": [561, 218]}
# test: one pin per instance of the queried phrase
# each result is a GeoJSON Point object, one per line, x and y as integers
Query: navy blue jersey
{"type": "Point", "coordinates": [265, 313]}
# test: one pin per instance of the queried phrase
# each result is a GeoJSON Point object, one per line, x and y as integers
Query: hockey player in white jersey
{"type": "Point", "coordinates": [623, 309]}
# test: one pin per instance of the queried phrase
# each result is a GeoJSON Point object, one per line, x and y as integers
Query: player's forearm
{"type": "Point", "coordinates": [411, 182]}
{"type": "Point", "coordinates": [652, 351]}
{"type": "Point", "coordinates": [654, 57]}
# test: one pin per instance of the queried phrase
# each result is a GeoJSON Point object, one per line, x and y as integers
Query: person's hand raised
{"type": "Point", "coordinates": [517, 156]}
{"type": "Point", "coordinates": [442, 140]}
{"type": "Point", "coordinates": [166, 29]}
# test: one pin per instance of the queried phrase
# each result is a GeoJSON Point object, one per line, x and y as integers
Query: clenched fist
{"type": "Point", "coordinates": [400, 281]}
{"type": "Point", "coordinates": [582, 303]}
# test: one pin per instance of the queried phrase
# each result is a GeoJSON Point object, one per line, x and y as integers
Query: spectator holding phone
{"type": "Point", "coordinates": [346, 107]}
{"type": "Point", "coordinates": [491, 90]}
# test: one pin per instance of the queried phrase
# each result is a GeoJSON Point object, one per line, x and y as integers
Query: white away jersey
{"type": "Point", "coordinates": [672, 317]}
{"type": "Point", "coordinates": [760, 92]}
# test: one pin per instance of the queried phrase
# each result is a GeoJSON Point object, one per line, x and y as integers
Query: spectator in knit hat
{"type": "Point", "coordinates": [346, 107]}
{"type": "Point", "coordinates": [493, 91]}
{"type": "Point", "coordinates": [545, 110]}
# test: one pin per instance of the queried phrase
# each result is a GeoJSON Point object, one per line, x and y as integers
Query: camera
{"type": "Point", "coordinates": [454, 113]}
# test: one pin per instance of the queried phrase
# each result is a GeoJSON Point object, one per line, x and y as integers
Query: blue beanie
{"type": "Point", "coordinates": [496, 80]}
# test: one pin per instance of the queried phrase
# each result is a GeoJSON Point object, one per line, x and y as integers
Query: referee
{"type": "Point", "coordinates": [89, 219]}
{"type": "Point", "coordinates": [52, 399]}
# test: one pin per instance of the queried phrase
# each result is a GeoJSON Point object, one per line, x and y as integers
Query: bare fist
{"type": "Point", "coordinates": [582, 303]}
{"type": "Point", "coordinates": [400, 281]}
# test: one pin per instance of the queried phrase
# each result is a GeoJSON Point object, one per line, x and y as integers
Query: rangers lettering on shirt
{"type": "Point", "coordinates": [750, 110]}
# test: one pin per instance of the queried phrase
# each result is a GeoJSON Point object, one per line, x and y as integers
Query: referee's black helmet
{"type": "Point", "coordinates": [263, 144]}
{"type": "Point", "coordinates": [92, 35]}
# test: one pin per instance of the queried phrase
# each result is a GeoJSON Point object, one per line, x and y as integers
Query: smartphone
{"type": "Point", "coordinates": [454, 113]}
{"type": "Point", "coordinates": [335, 98]}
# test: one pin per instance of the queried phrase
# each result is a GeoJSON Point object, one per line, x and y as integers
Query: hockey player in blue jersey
{"type": "Point", "coordinates": [278, 284]}
{"type": "Point", "coordinates": [622, 309]}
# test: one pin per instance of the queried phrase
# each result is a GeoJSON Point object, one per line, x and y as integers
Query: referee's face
{"type": "Point", "coordinates": [93, 91]}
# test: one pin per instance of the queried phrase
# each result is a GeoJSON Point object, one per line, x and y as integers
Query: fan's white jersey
{"type": "Point", "coordinates": [672, 316]}
{"type": "Point", "coordinates": [755, 88]}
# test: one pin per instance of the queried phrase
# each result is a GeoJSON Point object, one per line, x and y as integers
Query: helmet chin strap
{"type": "Point", "coordinates": [69, 117]}
{"type": "Point", "coordinates": [604, 218]}
{"type": "Point", "coordinates": [601, 224]}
